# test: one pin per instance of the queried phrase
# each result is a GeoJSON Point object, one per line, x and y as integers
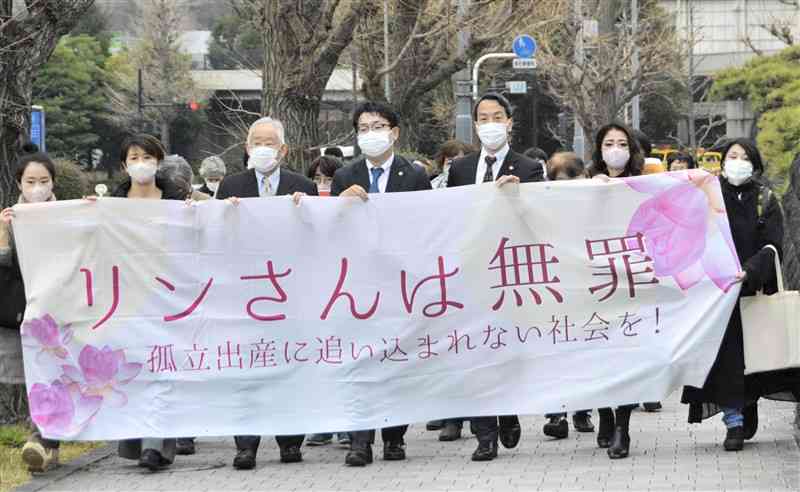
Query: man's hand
{"type": "Point", "coordinates": [356, 191]}
{"type": "Point", "coordinates": [297, 196]}
{"type": "Point", "coordinates": [503, 180]}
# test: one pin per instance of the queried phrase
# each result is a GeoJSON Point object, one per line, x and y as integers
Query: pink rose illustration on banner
{"type": "Point", "coordinates": [47, 335]}
{"type": "Point", "coordinates": [101, 373]}
{"type": "Point", "coordinates": [56, 410]}
{"type": "Point", "coordinates": [684, 224]}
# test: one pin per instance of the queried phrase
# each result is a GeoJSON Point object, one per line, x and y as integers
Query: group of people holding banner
{"type": "Point", "coordinates": [753, 211]}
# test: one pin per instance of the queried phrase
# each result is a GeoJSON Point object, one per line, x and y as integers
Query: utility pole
{"type": "Point", "coordinates": [578, 137]}
{"type": "Point", "coordinates": [462, 81]}
{"type": "Point", "coordinates": [636, 101]}
{"type": "Point", "coordinates": [690, 82]}
{"type": "Point", "coordinates": [387, 88]}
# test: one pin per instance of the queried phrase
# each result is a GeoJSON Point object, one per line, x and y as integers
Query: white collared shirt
{"type": "Point", "coordinates": [387, 168]}
{"type": "Point", "coordinates": [274, 181]}
{"type": "Point", "coordinates": [501, 156]}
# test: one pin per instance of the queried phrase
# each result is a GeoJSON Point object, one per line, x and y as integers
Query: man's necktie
{"type": "Point", "coordinates": [489, 175]}
{"type": "Point", "coordinates": [376, 174]}
{"type": "Point", "coordinates": [266, 186]}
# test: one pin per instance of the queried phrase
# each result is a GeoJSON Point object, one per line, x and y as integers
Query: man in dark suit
{"type": "Point", "coordinates": [379, 171]}
{"type": "Point", "coordinates": [266, 148]}
{"type": "Point", "coordinates": [495, 162]}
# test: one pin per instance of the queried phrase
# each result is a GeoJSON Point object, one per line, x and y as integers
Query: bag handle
{"type": "Point", "coordinates": [778, 271]}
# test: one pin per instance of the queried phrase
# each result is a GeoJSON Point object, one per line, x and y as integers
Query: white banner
{"type": "Point", "coordinates": [155, 318]}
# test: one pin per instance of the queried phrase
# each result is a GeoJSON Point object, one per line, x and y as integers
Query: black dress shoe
{"type": "Point", "coordinates": [606, 431]}
{"type": "Point", "coordinates": [434, 425]}
{"type": "Point", "coordinates": [620, 444]}
{"type": "Point", "coordinates": [359, 456]}
{"type": "Point", "coordinates": [509, 436]}
{"type": "Point", "coordinates": [245, 459]}
{"type": "Point", "coordinates": [291, 454]}
{"type": "Point", "coordinates": [151, 459]}
{"type": "Point", "coordinates": [582, 422]}
{"type": "Point", "coordinates": [652, 406]}
{"type": "Point", "coordinates": [450, 432]}
{"type": "Point", "coordinates": [734, 439]}
{"type": "Point", "coordinates": [557, 427]}
{"type": "Point", "coordinates": [185, 446]}
{"type": "Point", "coordinates": [750, 413]}
{"type": "Point", "coordinates": [393, 451]}
{"type": "Point", "coordinates": [486, 451]}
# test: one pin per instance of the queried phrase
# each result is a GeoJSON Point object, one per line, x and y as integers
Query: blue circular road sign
{"type": "Point", "coordinates": [524, 46]}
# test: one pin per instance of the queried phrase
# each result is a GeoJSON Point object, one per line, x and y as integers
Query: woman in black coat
{"type": "Point", "coordinates": [140, 156]}
{"type": "Point", "coordinates": [756, 221]}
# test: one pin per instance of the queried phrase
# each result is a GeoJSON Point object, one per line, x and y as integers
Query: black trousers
{"type": "Point", "coordinates": [252, 442]}
{"type": "Point", "coordinates": [388, 434]}
{"type": "Point", "coordinates": [486, 428]}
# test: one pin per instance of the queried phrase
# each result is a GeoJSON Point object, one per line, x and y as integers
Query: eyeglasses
{"type": "Point", "coordinates": [375, 127]}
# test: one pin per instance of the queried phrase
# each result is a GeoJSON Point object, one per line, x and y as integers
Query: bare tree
{"type": "Point", "coordinates": [597, 83]}
{"type": "Point", "coordinates": [424, 52]}
{"type": "Point", "coordinates": [166, 72]}
{"type": "Point", "coordinates": [301, 43]}
{"type": "Point", "coordinates": [29, 31]}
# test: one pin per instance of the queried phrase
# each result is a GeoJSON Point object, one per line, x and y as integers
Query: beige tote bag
{"type": "Point", "coordinates": [771, 328]}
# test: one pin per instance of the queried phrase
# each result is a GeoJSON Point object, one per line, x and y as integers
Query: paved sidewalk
{"type": "Point", "coordinates": [666, 454]}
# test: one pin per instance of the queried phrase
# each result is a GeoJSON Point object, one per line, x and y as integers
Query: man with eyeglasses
{"type": "Point", "coordinates": [497, 163]}
{"type": "Point", "coordinates": [380, 171]}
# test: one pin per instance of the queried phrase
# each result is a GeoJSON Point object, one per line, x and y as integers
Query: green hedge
{"type": "Point", "coordinates": [71, 182]}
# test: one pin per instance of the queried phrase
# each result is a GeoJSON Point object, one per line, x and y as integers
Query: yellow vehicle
{"type": "Point", "coordinates": [663, 155]}
{"type": "Point", "coordinates": [710, 161]}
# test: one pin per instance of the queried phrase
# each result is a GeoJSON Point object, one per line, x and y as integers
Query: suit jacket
{"type": "Point", "coordinates": [245, 185]}
{"type": "Point", "coordinates": [404, 177]}
{"type": "Point", "coordinates": [462, 171]}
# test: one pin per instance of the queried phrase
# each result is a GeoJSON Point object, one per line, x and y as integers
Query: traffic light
{"type": "Point", "coordinates": [194, 106]}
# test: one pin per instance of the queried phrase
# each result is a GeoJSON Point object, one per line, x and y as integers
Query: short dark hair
{"type": "Point", "coordinates": [750, 149]}
{"type": "Point", "coordinates": [148, 143]}
{"type": "Point", "coordinates": [536, 153]}
{"type": "Point", "coordinates": [327, 165]}
{"type": "Point", "coordinates": [567, 162]}
{"type": "Point", "coordinates": [681, 156]}
{"type": "Point", "coordinates": [381, 109]}
{"type": "Point", "coordinates": [334, 151]}
{"type": "Point", "coordinates": [29, 154]}
{"type": "Point", "coordinates": [636, 160]}
{"type": "Point", "coordinates": [493, 96]}
{"type": "Point", "coordinates": [644, 142]}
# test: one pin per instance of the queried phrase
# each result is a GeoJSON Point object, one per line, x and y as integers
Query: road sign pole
{"type": "Point", "coordinates": [476, 69]}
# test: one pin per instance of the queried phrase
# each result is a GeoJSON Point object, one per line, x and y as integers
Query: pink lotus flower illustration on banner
{"type": "Point", "coordinates": [57, 410]}
{"type": "Point", "coordinates": [101, 373]}
{"type": "Point", "coordinates": [685, 228]}
{"type": "Point", "coordinates": [47, 335]}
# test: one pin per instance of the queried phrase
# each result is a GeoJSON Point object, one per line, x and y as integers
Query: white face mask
{"type": "Point", "coordinates": [143, 172]}
{"type": "Point", "coordinates": [38, 193]}
{"type": "Point", "coordinates": [263, 160]}
{"type": "Point", "coordinates": [737, 171]}
{"type": "Point", "coordinates": [616, 157]}
{"type": "Point", "coordinates": [375, 143]}
{"type": "Point", "coordinates": [212, 185]}
{"type": "Point", "coordinates": [493, 136]}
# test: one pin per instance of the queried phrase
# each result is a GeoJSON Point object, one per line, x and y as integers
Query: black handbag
{"type": "Point", "coordinates": [12, 298]}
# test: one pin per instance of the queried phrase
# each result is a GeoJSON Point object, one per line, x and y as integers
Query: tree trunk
{"type": "Point", "coordinates": [33, 34]}
{"type": "Point", "coordinates": [15, 98]}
